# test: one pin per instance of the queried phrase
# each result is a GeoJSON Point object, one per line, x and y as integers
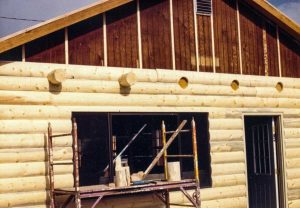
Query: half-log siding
{"type": "Point", "coordinates": [27, 103]}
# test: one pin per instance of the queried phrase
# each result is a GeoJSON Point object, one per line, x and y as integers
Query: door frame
{"type": "Point", "coordinates": [281, 192]}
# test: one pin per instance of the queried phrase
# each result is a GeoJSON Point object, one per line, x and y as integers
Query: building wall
{"type": "Point", "coordinates": [28, 103]}
{"type": "Point", "coordinates": [167, 34]}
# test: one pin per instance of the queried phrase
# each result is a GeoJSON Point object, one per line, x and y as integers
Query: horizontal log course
{"type": "Point", "coordinates": [228, 169]}
{"type": "Point", "coordinates": [294, 203]}
{"type": "Point", "coordinates": [37, 183]}
{"type": "Point", "coordinates": [227, 157]}
{"type": "Point", "coordinates": [294, 194]}
{"type": "Point", "coordinates": [293, 183]}
{"type": "Point", "coordinates": [293, 163]}
{"type": "Point", "coordinates": [34, 126]}
{"type": "Point", "coordinates": [223, 192]}
{"type": "Point", "coordinates": [292, 133]}
{"type": "Point", "coordinates": [291, 123]}
{"type": "Point", "coordinates": [146, 75]}
{"type": "Point", "coordinates": [292, 143]}
{"type": "Point", "coordinates": [226, 146]}
{"type": "Point", "coordinates": [293, 173]}
{"type": "Point", "coordinates": [229, 180]}
{"type": "Point", "coordinates": [225, 124]}
{"type": "Point", "coordinates": [34, 112]}
{"type": "Point", "coordinates": [225, 114]}
{"type": "Point", "coordinates": [226, 135]}
{"type": "Point", "coordinates": [35, 156]}
{"type": "Point", "coordinates": [96, 86]}
{"type": "Point", "coordinates": [16, 170]}
{"type": "Point", "coordinates": [13, 141]}
{"type": "Point", "coordinates": [92, 99]}
{"type": "Point", "coordinates": [22, 199]}
{"type": "Point", "coordinates": [292, 153]}
{"type": "Point", "coordinates": [239, 202]}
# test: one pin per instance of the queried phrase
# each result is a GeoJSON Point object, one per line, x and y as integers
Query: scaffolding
{"type": "Point", "coordinates": [161, 189]}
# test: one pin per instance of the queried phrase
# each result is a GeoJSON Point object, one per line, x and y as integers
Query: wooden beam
{"type": "Point", "coordinates": [172, 34]}
{"type": "Point", "coordinates": [239, 36]}
{"type": "Point", "coordinates": [23, 53]}
{"type": "Point", "coordinates": [66, 46]}
{"type": "Point", "coordinates": [140, 63]}
{"type": "Point", "coordinates": [278, 51]}
{"type": "Point", "coordinates": [196, 36]}
{"type": "Point", "coordinates": [58, 23]}
{"type": "Point", "coordinates": [213, 41]}
{"type": "Point", "coordinates": [105, 39]}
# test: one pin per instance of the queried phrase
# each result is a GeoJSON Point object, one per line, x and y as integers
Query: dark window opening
{"type": "Point", "coordinates": [203, 7]}
{"type": "Point", "coordinates": [104, 135]}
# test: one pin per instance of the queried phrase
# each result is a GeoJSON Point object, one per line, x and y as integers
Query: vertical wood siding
{"type": "Point", "coordinates": [49, 49]}
{"type": "Point", "coordinates": [14, 54]}
{"type": "Point", "coordinates": [156, 34]}
{"type": "Point", "coordinates": [273, 63]}
{"type": "Point", "coordinates": [251, 42]}
{"type": "Point", "coordinates": [86, 42]}
{"type": "Point", "coordinates": [122, 41]}
{"type": "Point", "coordinates": [226, 36]}
{"type": "Point", "coordinates": [184, 35]}
{"type": "Point", "coordinates": [290, 56]}
{"type": "Point", "coordinates": [205, 43]}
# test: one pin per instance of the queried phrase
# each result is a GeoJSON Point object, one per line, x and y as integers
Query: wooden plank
{"type": "Point", "coordinates": [122, 41]}
{"type": "Point", "coordinates": [157, 49]}
{"type": "Point", "coordinates": [57, 23]}
{"type": "Point", "coordinates": [85, 42]}
{"type": "Point", "coordinates": [48, 49]}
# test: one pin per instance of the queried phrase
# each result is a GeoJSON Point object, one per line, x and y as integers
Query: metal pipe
{"type": "Point", "coordinates": [164, 141]}
{"type": "Point", "coordinates": [76, 164]}
{"type": "Point", "coordinates": [125, 148]}
{"type": "Point", "coordinates": [50, 158]}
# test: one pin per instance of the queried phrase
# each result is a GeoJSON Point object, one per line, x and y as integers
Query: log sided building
{"type": "Point", "coordinates": [232, 65]}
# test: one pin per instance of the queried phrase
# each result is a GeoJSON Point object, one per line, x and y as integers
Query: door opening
{"type": "Point", "coordinates": [264, 161]}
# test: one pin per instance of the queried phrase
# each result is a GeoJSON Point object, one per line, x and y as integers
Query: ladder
{"type": "Point", "coordinates": [74, 162]}
{"type": "Point", "coordinates": [195, 199]}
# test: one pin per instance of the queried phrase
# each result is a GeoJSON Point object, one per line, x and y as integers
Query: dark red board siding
{"type": "Point", "coordinates": [226, 36]}
{"type": "Point", "coordinates": [48, 49]}
{"type": "Point", "coordinates": [290, 56]}
{"type": "Point", "coordinates": [86, 42]}
{"type": "Point", "coordinates": [273, 63]}
{"type": "Point", "coordinates": [156, 34]}
{"type": "Point", "coordinates": [205, 43]}
{"type": "Point", "coordinates": [122, 37]}
{"type": "Point", "coordinates": [251, 41]}
{"type": "Point", "coordinates": [184, 35]}
{"type": "Point", "coordinates": [14, 54]}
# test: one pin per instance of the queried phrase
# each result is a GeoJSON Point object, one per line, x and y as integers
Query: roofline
{"type": "Point", "coordinates": [277, 16]}
{"type": "Point", "coordinates": [60, 22]}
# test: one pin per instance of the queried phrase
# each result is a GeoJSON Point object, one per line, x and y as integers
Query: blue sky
{"type": "Point", "coordinates": [40, 10]}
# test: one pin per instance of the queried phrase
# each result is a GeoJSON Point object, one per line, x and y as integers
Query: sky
{"type": "Point", "coordinates": [14, 12]}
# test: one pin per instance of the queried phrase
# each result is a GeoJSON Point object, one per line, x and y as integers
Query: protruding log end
{"type": "Point", "coordinates": [128, 79]}
{"type": "Point", "coordinates": [57, 76]}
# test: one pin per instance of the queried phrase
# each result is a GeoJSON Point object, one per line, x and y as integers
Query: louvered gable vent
{"type": "Point", "coordinates": [203, 7]}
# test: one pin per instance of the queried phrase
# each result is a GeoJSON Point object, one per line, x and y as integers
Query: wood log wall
{"type": "Point", "coordinates": [28, 103]}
